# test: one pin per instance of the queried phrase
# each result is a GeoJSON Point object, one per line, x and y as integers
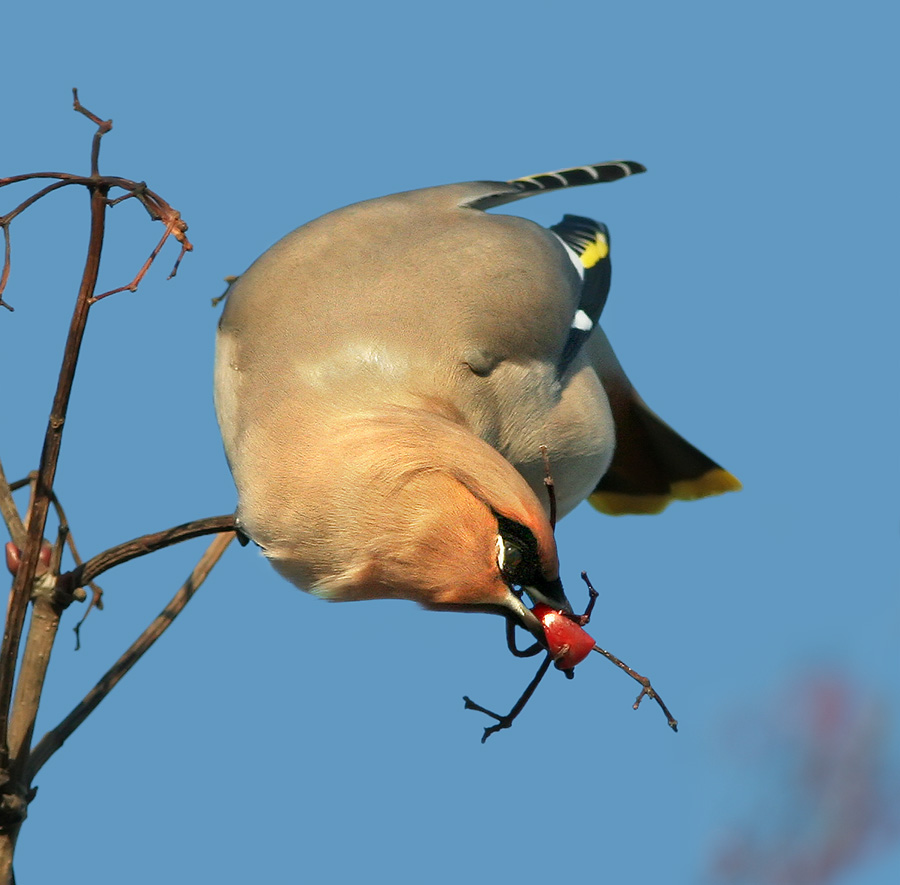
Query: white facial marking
{"type": "Point", "coordinates": [501, 552]}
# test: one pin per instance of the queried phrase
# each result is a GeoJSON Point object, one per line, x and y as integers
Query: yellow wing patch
{"type": "Point", "coordinates": [595, 251]}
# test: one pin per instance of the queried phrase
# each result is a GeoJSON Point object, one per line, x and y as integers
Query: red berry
{"type": "Point", "coordinates": [13, 557]}
{"type": "Point", "coordinates": [567, 642]}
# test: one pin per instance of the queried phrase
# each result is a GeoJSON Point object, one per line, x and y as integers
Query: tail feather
{"type": "Point", "coordinates": [506, 191]}
{"type": "Point", "coordinates": [653, 465]}
{"type": "Point", "coordinates": [599, 173]}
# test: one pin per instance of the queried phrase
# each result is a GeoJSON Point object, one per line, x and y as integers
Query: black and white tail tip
{"type": "Point", "coordinates": [599, 173]}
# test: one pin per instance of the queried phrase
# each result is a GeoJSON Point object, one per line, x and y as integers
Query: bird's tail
{"type": "Point", "coordinates": [599, 173]}
{"type": "Point", "coordinates": [496, 193]}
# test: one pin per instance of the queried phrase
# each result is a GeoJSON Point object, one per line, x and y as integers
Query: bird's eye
{"type": "Point", "coordinates": [509, 557]}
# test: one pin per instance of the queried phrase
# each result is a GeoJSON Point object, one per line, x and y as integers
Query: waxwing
{"type": "Point", "coordinates": [387, 375]}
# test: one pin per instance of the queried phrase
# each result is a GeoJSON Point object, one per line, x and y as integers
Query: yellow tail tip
{"type": "Point", "coordinates": [714, 482]}
{"type": "Point", "coordinates": [620, 504]}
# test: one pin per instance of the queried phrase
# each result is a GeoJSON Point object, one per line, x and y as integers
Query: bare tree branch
{"type": "Point", "coordinates": [99, 188]}
{"type": "Point", "coordinates": [145, 544]}
{"type": "Point", "coordinates": [156, 207]}
{"type": "Point", "coordinates": [65, 530]}
{"type": "Point", "coordinates": [45, 614]}
{"type": "Point", "coordinates": [103, 126]}
{"type": "Point", "coordinates": [132, 286]}
{"type": "Point", "coordinates": [10, 512]}
{"type": "Point", "coordinates": [55, 738]}
{"type": "Point", "coordinates": [42, 584]}
{"type": "Point", "coordinates": [4, 274]}
{"type": "Point", "coordinates": [22, 584]}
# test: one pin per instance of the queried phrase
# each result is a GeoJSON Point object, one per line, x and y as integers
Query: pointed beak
{"type": "Point", "coordinates": [550, 593]}
{"type": "Point", "coordinates": [526, 617]}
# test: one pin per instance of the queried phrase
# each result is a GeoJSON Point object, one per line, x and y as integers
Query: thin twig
{"type": "Point", "coordinates": [647, 689]}
{"type": "Point", "coordinates": [4, 274]}
{"type": "Point", "coordinates": [10, 512]}
{"type": "Point", "coordinates": [141, 187]}
{"type": "Point", "coordinates": [585, 619]}
{"type": "Point", "coordinates": [145, 544]}
{"type": "Point", "coordinates": [56, 552]}
{"type": "Point", "coordinates": [551, 488]}
{"type": "Point", "coordinates": [103, 126]}
{"type": "Point", "coordinates": [55, 738]}
{"type": "Point", "coordinates": [507, 720]}
{"type": "Point", "coordinates": [156, 207]}
{"type": "Point", "coordinates": [185, 248]}
{"type": "Point", "coordinates": [6, 219]}
{"type": "Point", "coordinates": [132, 286]}
{"type": "Point", "coordinates": [529, 652]}
{"type": "Point", "coordinates": [69, 539]}
{"type": "Point", "coordinates": [96, 590]}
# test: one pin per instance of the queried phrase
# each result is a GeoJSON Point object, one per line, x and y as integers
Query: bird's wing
{"type": "Point", "coordinates": [587, 242]}
{"type": "Point", "coordinates": [652, 464]}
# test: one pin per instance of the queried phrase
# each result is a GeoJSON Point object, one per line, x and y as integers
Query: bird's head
{"type": "Point", "coordinates": [481, 552]}
{"type": "Point", "coordinates": [433, 514]}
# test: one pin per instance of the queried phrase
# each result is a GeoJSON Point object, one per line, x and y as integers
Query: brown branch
{"type": "Point", "coordinates": [99, 188]}
{"type": "Point", "coordinates": [132, 286]}
{"type": "Point", "coordinates": [145, 544]}
{"type": "Point", "coordinates": [507, 720]}
{"type": "Point", "coordinates": [52, 593]}
{"type": "Point", "coordinates": [6, 219]}
{"type": "Point", "coordinates": [10, 512]}
{"type": "Point", "coordinates": [55, 738]}
{"type": "Point", "coordinates": [185, 248]}
{"type": "Point", "coordinates": [37, 517]}
{"type": "Point", "coordinates": [56, 551]}
{"type": "Point", "coordinates": [647, 689]}
{"type": "Point", "coordinates": [96, 593]}
{"type": "Point", "coordinates": [22, 585]}
{"type": "Point", "coordinates": [66, 537]}
{"type": "Point", "coordinates": [96, 590]}
{"type": "Point", "coordinates": [4, 274]}
{"type": "Point", "coordinates": [137, 189]}
{"type": "Point", "coordinates": [103, 126]}
{"type": "Point", "coordinates": [141, 185]}
{"type": "Point", "coordinates": [48, 606]}
{"type": "Point", "coordinates": [45, 614]}
{"type": "Point", "coordinates": [156, 207]}
{"type": "Point", "coordinates": [29, 176]}
{"type": "Point", "coordinates": [31, 479]}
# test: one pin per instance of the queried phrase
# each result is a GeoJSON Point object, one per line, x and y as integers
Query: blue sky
{"type": "Point", "coordinates": [273, 738]}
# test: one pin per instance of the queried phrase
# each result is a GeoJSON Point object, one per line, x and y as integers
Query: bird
{"type": "Point", "coordinates": [387, 376]}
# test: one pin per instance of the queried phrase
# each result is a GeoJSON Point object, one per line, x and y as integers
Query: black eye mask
{"type": "Point", "coordinates": [521, 563]}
